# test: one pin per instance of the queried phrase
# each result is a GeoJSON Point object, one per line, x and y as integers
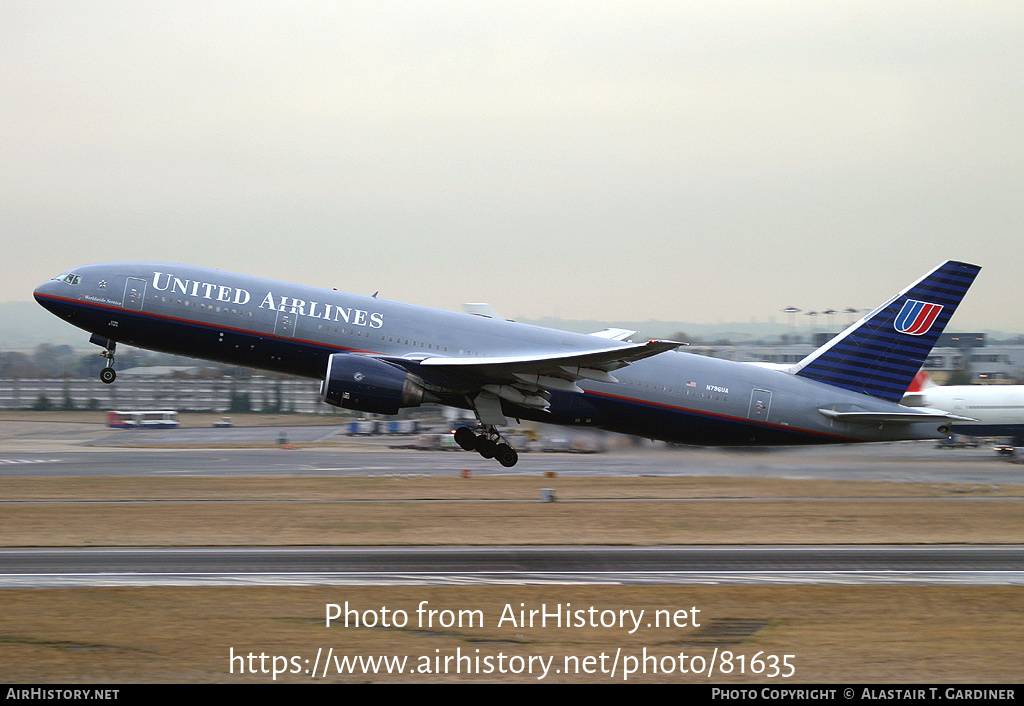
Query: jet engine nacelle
{"type": "Point", "coordinates": [369, 385]}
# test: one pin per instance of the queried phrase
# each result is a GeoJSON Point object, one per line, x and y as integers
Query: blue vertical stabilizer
{"type": "Point", "coordinates": [881, 353]}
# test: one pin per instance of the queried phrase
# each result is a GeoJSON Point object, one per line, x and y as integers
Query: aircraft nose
{"type": "Point", "coordinates": [45, 293]}
{"type": "Point", "coordinates": [43, 289]}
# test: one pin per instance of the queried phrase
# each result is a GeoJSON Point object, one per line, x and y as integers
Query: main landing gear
{"type": "Point", "coordinates": [488, 443]}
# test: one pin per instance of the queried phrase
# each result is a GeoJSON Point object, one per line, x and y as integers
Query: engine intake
{"type": "Point", "coordinates": [369, 385]}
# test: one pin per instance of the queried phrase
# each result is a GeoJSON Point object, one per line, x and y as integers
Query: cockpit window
{"type": "Point", "coordinates": [69, 278]}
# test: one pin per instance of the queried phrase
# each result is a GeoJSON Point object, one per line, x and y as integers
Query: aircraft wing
{"type": "Point", "coordinates": [615, 357]}
{"type": "Point", "coordinates": [525, 379]}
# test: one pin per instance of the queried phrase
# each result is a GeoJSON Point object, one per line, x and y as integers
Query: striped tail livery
{"type": "Point", "coordinates": [881, 353]}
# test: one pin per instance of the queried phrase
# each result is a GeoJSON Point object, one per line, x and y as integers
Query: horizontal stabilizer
{"type": "Point", "coordinates": [925, 415]}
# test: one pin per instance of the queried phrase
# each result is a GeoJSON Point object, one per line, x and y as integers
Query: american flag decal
{"type": "Point", "coordinates": [916, 318]}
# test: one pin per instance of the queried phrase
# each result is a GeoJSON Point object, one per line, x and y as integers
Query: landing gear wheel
{"type": "Point", "coordinates": [465, 438]}
{"type": "Point", "coordinates": [486, 447]}
{"type": "Point", "coordinates": [506, 455]}
{"type": "Point", "coordinates": [107, 375]}
{"type": "Point", "coordinates": [488, 443]}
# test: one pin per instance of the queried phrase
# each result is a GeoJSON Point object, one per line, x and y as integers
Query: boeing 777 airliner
{"type": "Point", "coordinates": [379, 356]}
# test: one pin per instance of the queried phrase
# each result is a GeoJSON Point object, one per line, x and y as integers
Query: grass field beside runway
{"type": "Point", "coordinates": [204, 511]}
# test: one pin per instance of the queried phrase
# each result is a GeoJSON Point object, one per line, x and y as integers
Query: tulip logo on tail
{"type": "Point", "coordinates": [916, 318]}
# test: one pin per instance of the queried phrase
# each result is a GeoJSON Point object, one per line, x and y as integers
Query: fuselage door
{"type": "Point", "coordinates": [285, 326]}
{"type": "Point", "coordinates": [134, 294]}
{"type": "Point", "coordinates": [760, 404]}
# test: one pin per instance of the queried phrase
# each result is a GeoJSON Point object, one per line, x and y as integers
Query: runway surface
{"type": "Point", "coordinates": [318, 566]}
{"type": "Point", "coordinates": [897, 462]}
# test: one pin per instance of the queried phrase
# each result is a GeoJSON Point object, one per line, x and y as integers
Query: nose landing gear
{"type": "Point", "coordinates": [107, 375]}
{"type": "Point", "coordinates": [488, 443]}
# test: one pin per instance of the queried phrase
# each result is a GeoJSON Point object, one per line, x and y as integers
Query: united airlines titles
{"type": "Point", "coordinates": [236, 295]}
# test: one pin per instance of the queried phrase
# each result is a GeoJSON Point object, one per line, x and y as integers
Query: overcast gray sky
{"type": "Point", "coordinates": [611, 160]}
